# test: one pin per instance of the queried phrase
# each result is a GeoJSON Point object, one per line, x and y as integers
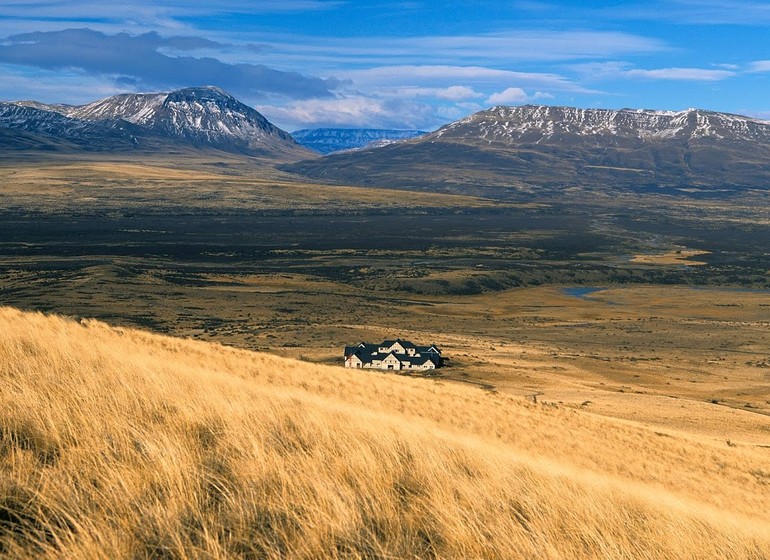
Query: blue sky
{"type": "Point", "coordinates": [410, 64]}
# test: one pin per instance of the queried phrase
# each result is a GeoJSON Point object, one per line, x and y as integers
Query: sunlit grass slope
{"type": "Point", "coordinates": [120, 444]}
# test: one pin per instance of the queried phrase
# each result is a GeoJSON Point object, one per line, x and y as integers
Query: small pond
{"type": "Point", "coordinates": [581, 291]}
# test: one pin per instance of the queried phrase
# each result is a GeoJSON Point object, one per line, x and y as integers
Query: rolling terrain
{"type": "Point", "coordinates": [122, 444]}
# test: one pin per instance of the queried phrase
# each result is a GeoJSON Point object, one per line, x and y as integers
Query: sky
{"type": "Point", "coordinates": [404, 64]}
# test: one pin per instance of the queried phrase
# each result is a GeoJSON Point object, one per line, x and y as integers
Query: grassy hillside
{"type": "Point", "coordinates": [115, 443]}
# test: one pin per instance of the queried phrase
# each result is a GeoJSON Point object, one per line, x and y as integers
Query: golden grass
{"type": "Point", "coordinates": [681, 257]}
{"type": "Point", "coordinates": [116, 443]}
{"type": "Point", "coordinates": [196, 184]}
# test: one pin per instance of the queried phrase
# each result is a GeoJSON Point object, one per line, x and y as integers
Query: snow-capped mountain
{"type": "Point", "coordinates": [531, 147]}
{"type": "Point", "coordinates": [538, 123]}
{"type": "Point", "coordinates": [329, 140]}
{"type": "Point", "coordinates": [203, 117]}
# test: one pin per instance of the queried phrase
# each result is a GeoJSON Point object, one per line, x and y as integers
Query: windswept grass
{"type": "Point", "coordinates": [115, 443]}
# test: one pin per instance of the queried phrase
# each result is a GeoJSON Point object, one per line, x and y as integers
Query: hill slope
{"type": "Point", "coordinates": [541, 147]}
{"type": "Point", "coordinates": [119, 444]}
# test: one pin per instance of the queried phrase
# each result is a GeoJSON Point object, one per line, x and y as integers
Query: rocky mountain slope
{"type": "Point", "coordinates": [202, 117]}
{"type": "Point", "coordinates": [534, 147]}
{"type": "Point", "coordinates": [31, 126]}
{"type": "Point", "coordinates": [328, 140]}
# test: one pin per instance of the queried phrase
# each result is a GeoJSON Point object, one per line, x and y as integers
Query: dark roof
{"type": "Point", "coordinates": [420, 360]}
{"type": "Point", "coordinates": [404, 343]}
{"type": "Point", "coordinates": [366, 352]}
{"type": "Point", "coordinates": [363, 351]}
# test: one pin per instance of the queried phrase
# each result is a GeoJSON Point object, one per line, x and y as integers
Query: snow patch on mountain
{"type": "Point", "coordinates": [536, 123]}
{"type": "Point", "coordinates": [202, 116]}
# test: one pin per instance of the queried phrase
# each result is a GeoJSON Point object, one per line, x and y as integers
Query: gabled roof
{"type": "Point", "coordinates": [364, 351]}
{"type": "Point", "coordinates": [421, 360]}
{"type": "Point", "coordinates": [404, 343]}
{"type": "Point", "coordinates": [368, 353]}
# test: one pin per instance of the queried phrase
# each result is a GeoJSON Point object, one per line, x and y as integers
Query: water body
{"type": "Point", "coordinates": [581, 292]}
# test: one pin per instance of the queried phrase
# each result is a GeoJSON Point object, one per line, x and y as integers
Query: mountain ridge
{"type": "Point", "coordinates": [647, 123]}
{"type": "Point", "coordinates": [537, 148]}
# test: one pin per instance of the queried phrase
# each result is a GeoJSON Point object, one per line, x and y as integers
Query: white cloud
{"type": "Point", "coordinates": [616, 69]}
{"type": "Point", "coordinates": [451, 93]}
{"type": "Point", "coordinates": [498, 50]}
{"type": "Point", "coordinates": [361, 112]}
{"type": "Point", "coordinates": [514, 95]}
{"type": "Point", "coordinates": [139, 16]}
{"type": "Point", "coordinates": [133, 9]}
{"type": "Point", "coordinates": [539, 45]}
{"type": "Point", "coordinates": [458, 93]}
{"type": "Point", "coordinates": [601, 69]}
{"type": "Point", "coordinates": [685, 74]}
{"type": "Point", "coordinates": [509, 95]}
{"type": "Point", "coordinates": [702, 12]}
{"type": "Point", "coordinates": [760, 66]}
{"type": "Point", "coordinates": [438, 75]}
{"type": "Point", "coordinates": [457, 111]}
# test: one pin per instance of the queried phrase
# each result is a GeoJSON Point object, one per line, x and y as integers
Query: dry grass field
{"type": "Point", "coordinates": [116, 443]}
{"type": "Point", "coordinates": [221, 184]}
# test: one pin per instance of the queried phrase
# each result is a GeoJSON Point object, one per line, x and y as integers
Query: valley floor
{"type": "Point", "coordinates": [660, 319]}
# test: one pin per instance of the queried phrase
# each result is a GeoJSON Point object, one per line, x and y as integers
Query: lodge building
{"type": "Point", "coordinates": [397, 355]}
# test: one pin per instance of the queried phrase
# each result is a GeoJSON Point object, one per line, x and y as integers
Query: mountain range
{"type": "Point", "coordinates": [536, 147]}
{"type": "Point", "coordinates": [329, 140]}
{"type": "Point", "coordinates": [200, 117]}
{"type": "Point", "coordinates": [526, 149]}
